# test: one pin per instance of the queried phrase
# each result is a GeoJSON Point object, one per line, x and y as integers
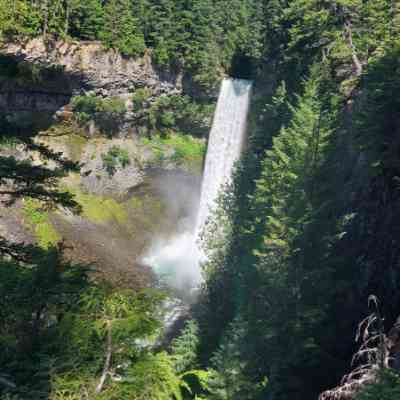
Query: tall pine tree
{"type": "Point", "coordinates": [121, 29]}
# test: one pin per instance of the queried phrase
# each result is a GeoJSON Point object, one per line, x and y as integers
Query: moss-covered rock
{"type": "Point", "coordinates": [38, 220]}
{"type": "Point", "coordinates": [176, 151]}
{"type": "Point", "coordinates": [100, 210]}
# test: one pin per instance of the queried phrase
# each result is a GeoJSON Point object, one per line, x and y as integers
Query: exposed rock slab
{"type": "Point", "coordinates": [93, 67]}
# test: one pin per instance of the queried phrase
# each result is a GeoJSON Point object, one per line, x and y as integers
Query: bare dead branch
{"type": "Point", "coordinates": [374, 349]}
{"type": "Point", "coordinates": [107, 363]}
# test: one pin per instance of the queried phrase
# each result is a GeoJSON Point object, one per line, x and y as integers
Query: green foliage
{"type": "Point", "coordinates": [123, 312]}
{"type": "Point", "coordinates": [230, 379]}
{"type": "Point", "coordinates": [90, 105]}
{"type": "Point", "coordinates": [206, 36]}
{"type": "Point", "coordinates": [106, 113]}
{"type": "Point", "coordinates": [288, 170]}
{"type": "Point", "coordinates": [32, 299]}
{"type": "Point", "coordinates": [37, 182]}
{"type": "Point", "coordinates": [262, 271]}
{"type": "Point", "coordinates": [86, 19]}
{"type": "Point", "coordinates": [114, 157]}
{"type": "Point", "coordinates": [376, 121]}
{"type": "Point", "coordinates": [99, 209]}
{"type": "Point", "coordinates": [179, 113]}
{"type": "Point", "coordinates": [140, 97]}
{"type": "Point", "coordinates": [8, 142]}
{"type": "Point", "coordinates": [39, 221]}
{"type": "Point", "coordinates": [177, 148]}
{"type": "Point", "coordinates": [52, 312]}
{"type": "Point", "coordinates": [120, 28]}
{"type": "Point", "coordinates": [171, 113]}
{"type": "Point", "coordinates": [314, 192]}
{"type": "Point", "coordinates": [310, 221]}
{"type": "Point", "coordinates": [387, 388]}
{"type": "Point", "coordinates": [18, 18]}
{"type": "Point", "coordinates": [128, 322]}
{"type": "Point", "coordinates": [85, 107]}
{"type": "Point", "coordinates": [184, 348]}
{"type": "Point", "coordinates": [152, 377]}
{"type": "Point", "coordinates": [201, 36]}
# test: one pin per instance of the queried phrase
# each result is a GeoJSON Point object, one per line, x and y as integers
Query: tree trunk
{"type": "Point", "coordinates": [67, 14]}
{"type": "Point", "coordinates": [45, 16]}
{"type": "Point", "coordinates": [107, 362]}
{"type": "Point", "coordinates": [349, 36]}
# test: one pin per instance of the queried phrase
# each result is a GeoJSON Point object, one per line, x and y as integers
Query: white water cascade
{"type": "Point", "coordinates": [178, 259]}
{"type": "Point", "coordinates": [225, 144]}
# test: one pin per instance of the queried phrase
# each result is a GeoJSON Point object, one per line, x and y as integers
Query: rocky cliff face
{"type": "Point", "coordinates": [127, 186]}
{"type": "Point", "coordinates": [72, 68]}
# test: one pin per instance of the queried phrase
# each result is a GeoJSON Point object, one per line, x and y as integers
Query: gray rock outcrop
{"type": "Point", "coordinates": [76, 68]}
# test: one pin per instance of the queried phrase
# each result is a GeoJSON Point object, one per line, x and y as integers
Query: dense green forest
{"type": "Point", "coordinates": [201, 36]}
{"type": "Point", "coordinates": [310, 222]}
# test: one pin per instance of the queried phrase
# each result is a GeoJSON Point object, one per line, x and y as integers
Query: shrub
{"type": "Point", "coordinates": [184, 148]}
{"type": "Point", "coordinates": [38, 219]}
{"type": "Point", "coordinates": [387, 388]}
{"type": "Point", "coordinates": [167, 119]}
{"type": "Point", "coordinates": [109, 114]}
{"type": "Point", "coordinates": [21, 19]}
{"type": "Point", "coordinates": [179, 113]}
{"type": "Point", "coordinates": [85, 107]}
{"type": "Point", "coordinates": [106, 113]}
{"type": "Point", "coordinates": [8, 142]}
{"type": "Point", "coordinates": [115, 156]}
{"type": "Point", "coordinates": [140, 97]}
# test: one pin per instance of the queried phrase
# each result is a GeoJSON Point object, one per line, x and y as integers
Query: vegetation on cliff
{"type": "Point", "coordinates": [201, 36]}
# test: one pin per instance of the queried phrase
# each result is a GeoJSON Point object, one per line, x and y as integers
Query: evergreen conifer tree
{"type": "Point", "coordinates": [86, 19]}
{"type": "Point", "coordinates": [121, 29]}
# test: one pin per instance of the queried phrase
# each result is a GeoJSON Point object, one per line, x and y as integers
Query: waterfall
{"type": "Point", "coordinates": [225, 144]}
{"type": "Point", "coordinates": [177, 259]}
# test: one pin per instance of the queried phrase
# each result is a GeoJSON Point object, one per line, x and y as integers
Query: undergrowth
{"type": "Point", "coordinates": [39, 221]}
{"type": "Point", "coordinates": [116, 156]}
{"type": "Point", "coordinates": [176, 148]}
{"type": "Point", "coordinates": [99, 209]}
{"type": "Point", "coordinates": [8, 142]}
